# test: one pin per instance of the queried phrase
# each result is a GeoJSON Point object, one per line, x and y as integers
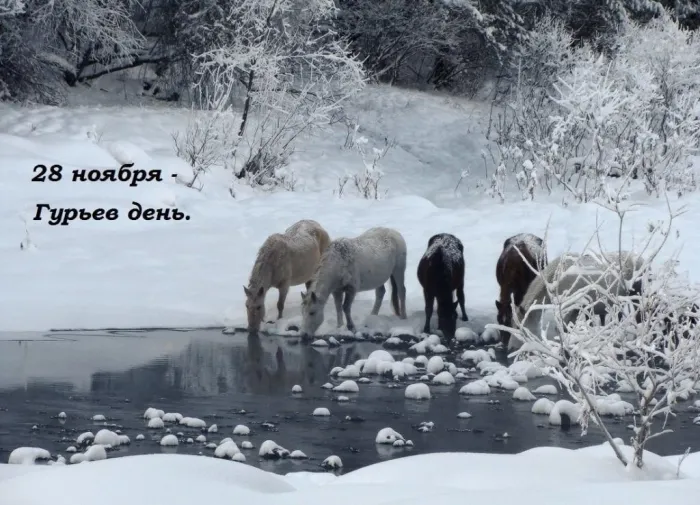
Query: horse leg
{"type": "Point", "coordinates": [283, 290]}
{"type": "Point", "coordinates": [429, 303]}
{"type": "Point", "coordinates": [399, 278]}
{"type": "Point", "coordinates": [378, 298]}
{"type": "Point", "coordinates": [460, 299]}
{"type": "Point", "coordinates": [338, 299]}
{"type": "Point", "coordinates": [347, 304]}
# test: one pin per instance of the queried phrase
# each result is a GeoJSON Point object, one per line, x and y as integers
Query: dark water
{"type": "Point", "coordinates": [233, 379]}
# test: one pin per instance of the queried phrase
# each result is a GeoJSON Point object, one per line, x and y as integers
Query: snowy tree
{"type": "Point", "coordinates": [286, 64]}
{"type": "Point", "coordinates": [648, 343]}
{"type": "Point", "coordinates": [633, 115]}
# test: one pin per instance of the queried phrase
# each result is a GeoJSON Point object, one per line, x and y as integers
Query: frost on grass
{"type": "Point", "coordinates": [418, 391]}
{"type": "Point", "coordinates": [523, 394]}
{"type": "Point", "coordinates": [321, 412]}
{"type": "Point", "coordinates": [241, 430]}
{"type": "Point", "coordinates": [347, 386]}
{"type": "Point", "coordinates": [169, 441]}
{"type": "Point", "coordinates": [477, 387]}
{"type": "Point", "coordinates": [28, 455]}
{"type": "Point", "coordinates": [388, 436]}
{"type": "Point", "coordinates": [271, 450]}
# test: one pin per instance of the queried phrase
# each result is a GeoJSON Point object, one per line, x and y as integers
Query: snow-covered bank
{"type": "Point", "coordinates": [583, 476]}
{"type": "Point", "coordinates": [123, 273]}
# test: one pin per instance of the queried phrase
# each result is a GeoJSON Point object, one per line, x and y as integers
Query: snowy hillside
{"type": "Point", "coordinates": [124, 273]}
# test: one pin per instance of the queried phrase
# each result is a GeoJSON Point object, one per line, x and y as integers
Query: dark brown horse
{"type": "Point", "coordinates": [514, 275]}
{"type": "Point", "coordinates": [440, 273]}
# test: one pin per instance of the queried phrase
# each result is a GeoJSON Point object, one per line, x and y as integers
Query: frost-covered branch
{"type": "Point", "coordinates": [618, 317]}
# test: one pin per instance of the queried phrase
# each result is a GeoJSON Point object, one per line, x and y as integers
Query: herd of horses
{"type": "Point", "coordinates": [305, 254]}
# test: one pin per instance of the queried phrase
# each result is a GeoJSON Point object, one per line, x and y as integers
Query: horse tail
{"type": "Point", "coordinates": [395, 296]}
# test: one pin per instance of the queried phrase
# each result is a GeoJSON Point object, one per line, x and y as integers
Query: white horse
{"type": "Point", "coordinates": [577, 275]}
{"type": "Point", "coordinates": [351, 265]}
{"type": "Point", "coordinates": [284, 260]}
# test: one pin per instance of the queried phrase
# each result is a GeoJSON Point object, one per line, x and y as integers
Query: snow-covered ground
{"type": "Point", "coordinates": [583, 476]}
{"type": "Point", "coordinates": [123, 273]}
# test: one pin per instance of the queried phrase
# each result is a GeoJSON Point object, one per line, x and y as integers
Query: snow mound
{"type": "Point", "coordinates": [417, 391]}
{"type": "Point", "coordinates": [172, 417]}
{"type": "Point", "coordinates": [523, 394]}
{"type": "Point", "coordinates": [226, 449]}
{"type": "Point", "coordinates": [169, 441]}
{"type": "Point", "coordinates": [444, 378]}
{"type": "Point", "coordinates": [110, 439]}
{"type": "Point", "coordinates": [28, 455]}
{"type": "Point", "coordinates": [466, 335]}
{"type": "Point", "coordinates": [95, 452]}
{"type": "Point", "coordinates": [546, 389]}
{"type": "Point", "coordinates": [332, 462]}
{"type": "Point", "coordinates": [193, 422]}
{"type": "Point", "coordinates": [151, 413]}
{"type": "Point", "coordinates": [155, 423]}
{"type": "Point", "coordinates": [271, 450]}
{"type": "Point", "coordinates": [297, 389]}
{"type": "Point", "coordinates": [347, 386]}
{"type": "Point", "coordinates": [388, 436]}
{"type": "Point", "coordinates": [241, 430]}
{"type": "Point", "coordinates": [321, 412]}
{"type": "Point", "coordinates": [477, 387]}
{"type": "Point", "coordinates": [543, 407]}
{"type": "Point", "coordinates": [567, 409]}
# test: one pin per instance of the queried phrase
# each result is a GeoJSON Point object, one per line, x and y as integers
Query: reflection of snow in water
{"type": "Point", "coordinates": [255, 365]}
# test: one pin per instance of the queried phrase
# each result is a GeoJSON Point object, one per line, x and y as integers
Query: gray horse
{"type": "Point", "coordinates": [351, 265]}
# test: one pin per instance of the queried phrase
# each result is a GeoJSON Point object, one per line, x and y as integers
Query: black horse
{"type": "Point", "coordinates": [440, 273]}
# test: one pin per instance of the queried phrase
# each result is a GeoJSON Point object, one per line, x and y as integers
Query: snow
{"type": "Point", "coordinates": [95, 452]}
{"type": "Point", "coordinates": [464, 415]}
{"type": "Point", "coordinates": [523, 394]}
{"type": "Point", "coordinates": [241, 429]}
{"type": "Point", "coordinates": [477, 387]}
{"type": "Point", "coordinates": [110, 439]}
{"type": "Point", "coordinates": [226, 449]}
{"type": "Point", "coordinates": [193, 422]}
{"type": "Point", "coordinates": [321, 412]}
{"type": "Point", "coordinates": [297, 454]}
{"type": "Point", "coordinates": [588, 475]}
{"type": "Point", "coordinates": [270, 449]}
{"type": "Point", "coordinates": [435, 365]}
{"type": "Point", "coordinates": [296, 389]}
{"type": "Point", "coordinates": [155, 423]}
{"type": "Point", "coordinates": [388, 436]}
{"type": "Point", "coordinates": [546, 389]}
{"type": "Point", "coordinates": [444, 378]}
{"type": "Point", "coordinates": [417, 391]}
{"type": "Point", "coordinates": [172, 417]}
{"type": "Point", "coordinates": [169, 441]}
{"type": "Point", "coordinates": [27, 455]}
{"type": "Point", "coordinates": [347, 386]}
{"type": "Point", "coordinates": [543, 406]}
{"type": "Point", "coordinates": [564, 407]}
{"type": "Point", "coordinates": [332, 462]}
{"type": "Point", "coordinates": [152, 413]}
